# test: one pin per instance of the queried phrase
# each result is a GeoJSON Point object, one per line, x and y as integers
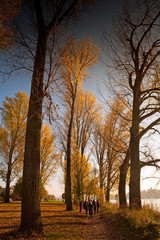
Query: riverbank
{"type": "Point", "coordinates": [132, 224]}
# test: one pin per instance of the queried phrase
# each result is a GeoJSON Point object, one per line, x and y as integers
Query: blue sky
{"type": "Point", "coordinates": [92, 24]}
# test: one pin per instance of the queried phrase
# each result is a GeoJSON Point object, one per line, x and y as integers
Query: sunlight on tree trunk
{"type": "Point", "coordinates": [122, 181]}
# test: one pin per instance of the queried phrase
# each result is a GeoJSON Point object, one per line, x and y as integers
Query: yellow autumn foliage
{"type": "Point", "coordinates": [48, 156]}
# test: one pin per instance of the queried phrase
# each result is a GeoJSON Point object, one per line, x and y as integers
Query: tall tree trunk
{"type": "Point", "coordinates": [31, 214]}
{"type": "Point", "coordinates": [68, 183]}
{"type": "Point", "coordinates": [134, 186]}
{"type": "Point", "coordinates": [65, 189]}
{"type": "Point", "coordinates": [108, 178]}
{"type": "Point", "coordinates": [68, 174]}
{"type": "Point", "coordinates": [78, 186]}
{"type": "Point", "coordinates": [108, 192]}
{"type": "Point", "coordinates": [108, 184]}
{"type": "Point", "coordinates": [122, 181]}
{"type": "Point", "coordinates": [7, 194]}
{"type": "Point", "coordinates": [101, 170]}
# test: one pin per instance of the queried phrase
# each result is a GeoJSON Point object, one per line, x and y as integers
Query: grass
{"type": "Point", "coordinates": [134, 224]}
{"type": "Point", "coordinates": [57, 223]}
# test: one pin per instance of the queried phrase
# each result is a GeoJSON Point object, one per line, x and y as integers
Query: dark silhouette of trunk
{"type": "Point", "coordinates": [31, 214]}
{"type": "Point", "coordinates": [78, 186]}
{"type": "Point", "coordinates": [79, 175]}
{"type": "Point", "coordinates": [7, 194]}
{"type": "Point", "coordinates": [134, 186]}
{"type": "Point", "coordinates": [65, 186]}
{"type": "Point", "coordinates": [68, 174]}
{"type": "Point", "coordinates": [122, 181]}
{"type": "Point", "coordinates": [101, 170]}
{"type": "Point", "coordinates": [107, 193]}
{"type": "Point", "coordinates": [108, 183]}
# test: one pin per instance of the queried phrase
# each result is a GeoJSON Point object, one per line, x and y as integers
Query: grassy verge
{"type": "Point", "coordinates": [133, 224]}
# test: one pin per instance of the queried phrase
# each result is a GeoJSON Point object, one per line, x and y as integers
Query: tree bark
{"type": "Point", "coordinates": [68, 182]}
{"type": "Point", "coordinates": [122, 181]}
{"type": "Point", "coordinates": [134, 186]}
{"type": "Point", "coordinates": [78, 186]}
{"type": "Point", "coordinates": [7, 195]}
{"type": "Point", "coordinates": [31, 214]}
{"type": "Point", "coordinates": [108, 184]}
{"type": "Point", "coordinates": [101, 174]}
{"type": "Point", "coordinates": [107, 193]}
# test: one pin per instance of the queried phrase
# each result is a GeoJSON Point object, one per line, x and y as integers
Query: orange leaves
{"type": "Point", "coordinates": [57, 223]}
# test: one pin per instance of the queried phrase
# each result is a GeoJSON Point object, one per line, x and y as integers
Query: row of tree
{"type": "Point", "coordinates": [16, 192]}
{"type": "Point", "coordinates": [134, 52]}
{"type": "Point", "coordinates": [58, 69]}
{"type": "Point", "coordinates": [35, 49]}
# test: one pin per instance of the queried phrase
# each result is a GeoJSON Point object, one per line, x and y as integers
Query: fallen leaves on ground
{"type": "Point", "coordinates": [57, 223]}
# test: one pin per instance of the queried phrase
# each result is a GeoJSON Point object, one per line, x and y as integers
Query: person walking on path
{"type": "Point", "coordinates": [80, 205]}
{"type": "Point", "coordinates": [94, 206]}
{"type": "Point", "coordinates": [90, 208]}
{"type": "Point", "coordinates": [85, 206]}
{"type": "Point", "coordinates": [98, 205]}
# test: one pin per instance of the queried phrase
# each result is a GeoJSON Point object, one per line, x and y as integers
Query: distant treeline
{"type": "Point", "coordinates": [150, 194]}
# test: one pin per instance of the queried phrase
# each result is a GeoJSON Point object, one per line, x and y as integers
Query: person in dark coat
{"type": "Point", "coordinates": [90, 208]}
{"type": "Point", "coordinates": [85, 206]}
{"type": "Point", "coordinates": [94, 206]}
{"type": "Point", "coordinates": [80, 206]}
{"type": "Point", "coordinates": [98, 205]}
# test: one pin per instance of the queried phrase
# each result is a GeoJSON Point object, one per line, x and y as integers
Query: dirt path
{"type": "Point", "coordinates": [94, 228]}
{"type": "Point", "coordinates": [98, 228]}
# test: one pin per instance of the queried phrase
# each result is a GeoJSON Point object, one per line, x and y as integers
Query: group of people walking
{"type": "Point", "coordinates": [90, 206]}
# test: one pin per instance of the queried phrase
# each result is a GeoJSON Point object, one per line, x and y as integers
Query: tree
{"type": "Point", "coordinates": [110, 143]}
{"type": "Point", "coordinates": [44, 194]}
{"type": "Point", "coordinates": [49, 16]}
{"type": "Point", "coordinates": [100, 149]}
{"type": "Point", "coordinates": [80, 170]}
{"type": "Point", "coordinates": [76, 58]}
{"type": "Point", "coordinates": [17, 191]}
{"type": "Point", "coordinates": [86, 111]}
{"type": "Point", "coordinates": [122, 180]}
{"type": "Point", "coordinates": [8, 11]}
{"type": "Point", "coordinates": [118, 137]}
{"type": "Point", "coordinates": [115, 143]}
{"type": "Point", "coordinates": [92, 184]}
{"type": "Point", "coordinates": [13, 118]}
{"type": "Point", "coordinates": [51, 197]}
{"type": "Point", "coordinates": [49, 158]}
{"type": "Point", "coordinates": [135, 52]}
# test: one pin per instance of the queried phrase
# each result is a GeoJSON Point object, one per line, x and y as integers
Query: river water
{"type": "Point", "coordinates": [154, 203]}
